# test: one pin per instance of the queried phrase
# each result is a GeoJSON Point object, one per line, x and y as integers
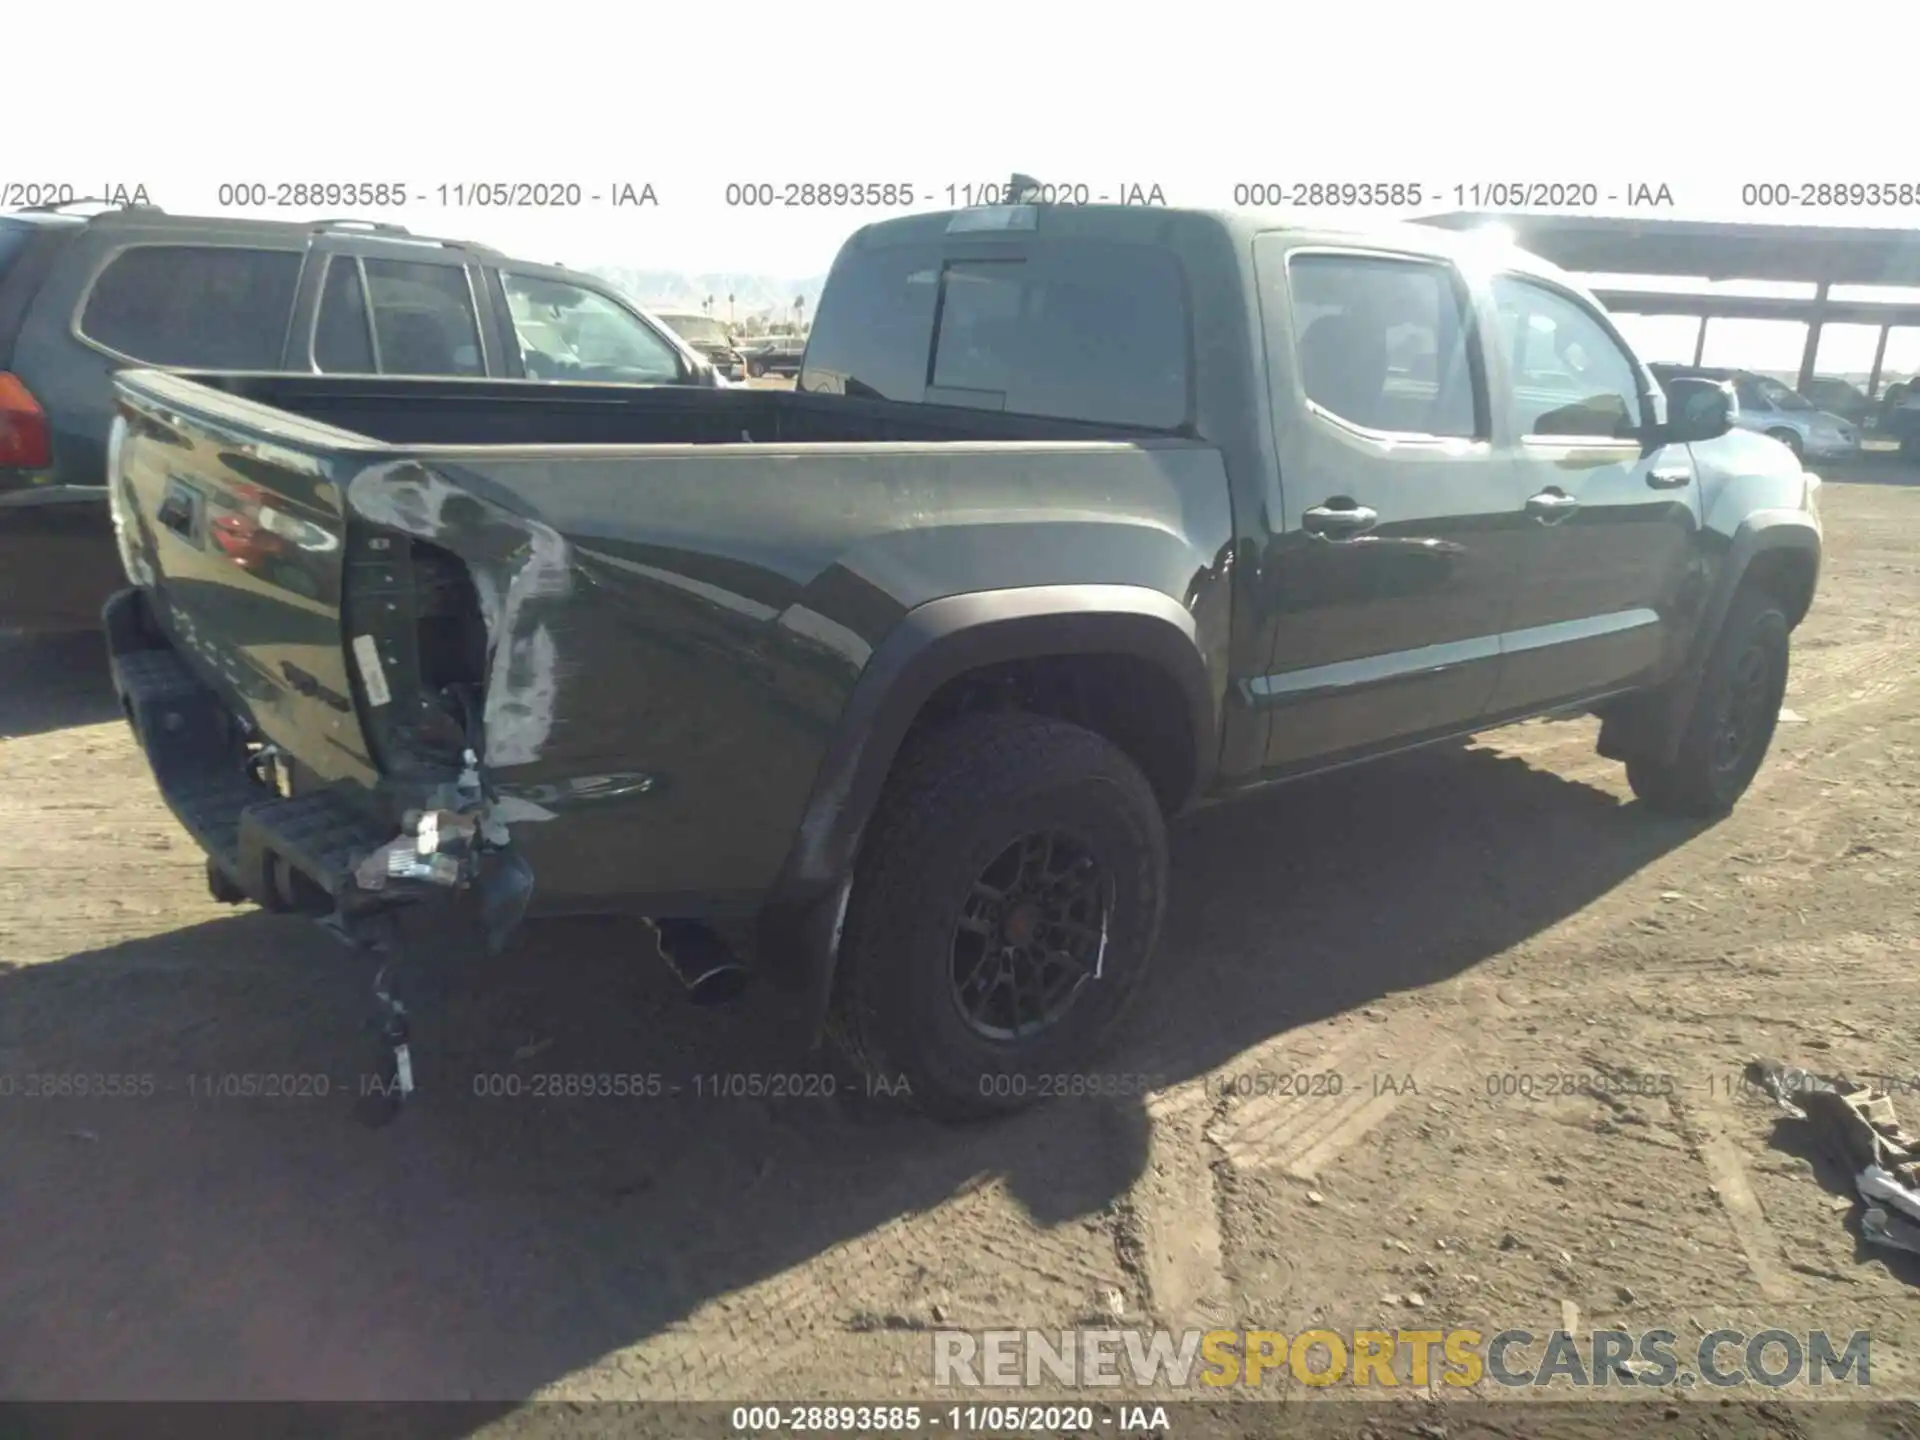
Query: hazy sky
{"type": "Point", "coordinates": [1194, 97]}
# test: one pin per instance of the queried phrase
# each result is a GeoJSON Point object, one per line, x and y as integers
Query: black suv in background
{"type": "Point", "coordinates": [81, 297]}
{"type": "Point", "coordinates": [774, 355]}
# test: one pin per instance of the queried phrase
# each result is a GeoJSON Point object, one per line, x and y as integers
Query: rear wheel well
{"type": "Point", "coordinates": [1786, 575]}
{"type": "Point", "coordinates": [1131, 702]}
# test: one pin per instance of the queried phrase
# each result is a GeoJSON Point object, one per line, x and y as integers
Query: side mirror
{"type": "Point", "coordinates": [1698, 409]}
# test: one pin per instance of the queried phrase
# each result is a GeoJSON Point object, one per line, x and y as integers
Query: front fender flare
{"type": "Point", "coordinates": [1665, 713]}
{"type": "Point", "coordinates": [799, 925]}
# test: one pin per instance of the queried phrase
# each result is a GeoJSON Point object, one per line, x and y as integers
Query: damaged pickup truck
{"type": "Point", "coordinates": [1077, 518]}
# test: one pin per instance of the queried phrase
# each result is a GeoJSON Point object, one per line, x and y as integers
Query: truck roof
{"type": "Point", "coordinates": [1178, 228]}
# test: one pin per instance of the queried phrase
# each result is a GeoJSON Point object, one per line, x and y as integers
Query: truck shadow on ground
{"type": "Point", "coordinates": [171, 1244]}
{"type": "Point", "coordinates": [51, 682]}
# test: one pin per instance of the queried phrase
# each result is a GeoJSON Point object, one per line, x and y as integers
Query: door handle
{"type": "Point", "coordinates": [1550, 507]}
{"type": "Point", "coordinates": [1331, 522]}
{"type": "Point", "coordinates": [1670, 477]}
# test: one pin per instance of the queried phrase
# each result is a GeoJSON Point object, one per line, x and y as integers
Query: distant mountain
{"type": "Point", "coordinates": [752, 294]}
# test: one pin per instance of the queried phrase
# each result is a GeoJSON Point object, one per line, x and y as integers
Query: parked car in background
{"type": "Point", "coordinates": [1886, 406]}
{"type": "Point", "coordinates": [1766, 406]}
{"type": "Point", "coordinates": [1842, 397]}
{"type": "Point", "coordinates": [84, 296]}
{"type": "Point", "coordinates": [774, 355]}
{"type": "Point", "coordinates": [709, 336]}
{"type": "Point", "coordinates": [1079, 516]}
{"type": "Point", "coordinates": [1900, 420]}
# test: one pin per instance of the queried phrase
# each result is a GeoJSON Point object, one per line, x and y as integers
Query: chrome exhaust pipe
{"type": "Point", "coordinates": [701, 961]}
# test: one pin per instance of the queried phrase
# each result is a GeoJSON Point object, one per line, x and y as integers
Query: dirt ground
{"type": "Point", "coordinates": [1441, 933]}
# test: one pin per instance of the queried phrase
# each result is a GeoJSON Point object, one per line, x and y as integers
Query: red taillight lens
{"type": "Point", "coordinates": [25, 442]}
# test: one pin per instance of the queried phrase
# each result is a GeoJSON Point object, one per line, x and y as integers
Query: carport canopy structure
{"type": "Point", "coordinates": [1817, 255]}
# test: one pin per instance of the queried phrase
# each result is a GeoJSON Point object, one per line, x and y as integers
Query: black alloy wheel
{"type": "Point", "coordinates": [1031, 934]}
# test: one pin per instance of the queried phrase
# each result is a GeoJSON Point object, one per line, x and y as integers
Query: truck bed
{"type": "Point", "coordinates": [643, 609]}
{"type": "Point", "coordinates": [439, 413]}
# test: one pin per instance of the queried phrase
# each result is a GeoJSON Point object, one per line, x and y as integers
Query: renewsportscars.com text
{"type": "Point", "coordinates": [1381, 1359]}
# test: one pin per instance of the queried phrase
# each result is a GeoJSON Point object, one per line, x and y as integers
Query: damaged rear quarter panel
{"type": "Point", "coordinates": [522, 574]}
{"type": "Point", "coordinates": [674, 631]}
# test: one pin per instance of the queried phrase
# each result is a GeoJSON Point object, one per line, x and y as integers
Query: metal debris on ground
{"type": "Point", "coordinates": [1858, 1129]}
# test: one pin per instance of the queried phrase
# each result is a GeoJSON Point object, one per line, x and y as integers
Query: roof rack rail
{"type": "Point", "coordinates": [399, 232]}
{"type": "Point", "coordinates": [378, 226]}
{"type": "Point", "coordinates": [54, 207]}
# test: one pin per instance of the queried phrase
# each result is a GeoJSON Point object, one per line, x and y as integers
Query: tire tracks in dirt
{"type": "Point", "coordinates": [1206, 1135]}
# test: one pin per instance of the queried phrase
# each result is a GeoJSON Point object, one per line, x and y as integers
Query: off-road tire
{"type": "Point", "coordinates": [958, 797]}
{"type": "Point", "coordinates": [1692, 784]}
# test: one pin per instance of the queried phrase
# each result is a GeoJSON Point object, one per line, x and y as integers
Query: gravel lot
{"type": "Point", "coordinates": [1468, 923]}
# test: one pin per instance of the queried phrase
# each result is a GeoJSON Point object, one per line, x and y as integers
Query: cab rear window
{"type": "Point", "coordinates": [1079, 331]}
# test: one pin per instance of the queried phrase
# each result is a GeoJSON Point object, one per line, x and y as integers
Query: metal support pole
{"type": "Point", "coordinates": [1810, 356]}
{"type": "Point", "coordinates": [1879, 361]}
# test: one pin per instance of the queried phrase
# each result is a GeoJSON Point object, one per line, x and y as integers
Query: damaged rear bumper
{"type": "Point", "coordinates": [339, 852]}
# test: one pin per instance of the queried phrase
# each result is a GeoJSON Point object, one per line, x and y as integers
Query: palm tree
{"type": "Point", "coordinates": [799, 312]}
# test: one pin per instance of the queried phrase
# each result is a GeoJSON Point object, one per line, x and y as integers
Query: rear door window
{"type": "Point", "coordinates": [219, 307]}
{"type": "Point", "coordinates": [423, 320]}
{"type": "Point", "coordinates": [874, 328]}
{"type": "Point", "coordinates": [342, 340]}
{"type": "Point", "coordinates": [1077, 331]}
{"type": "Point", "coordinates": [1383, 343]}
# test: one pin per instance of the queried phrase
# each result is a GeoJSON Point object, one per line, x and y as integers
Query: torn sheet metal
{"type": "Point", "coordinates": [1881, 1188]}
{"type": "Point", "coordinates": [1891, 1229]}
{"type": "Point", "coordinates": [517, 564]}
{"type": "Point", "coordinates": [458, 844]}
{"type": "Point", "coordinates": [524, 574]}
{"type": "Point", "coordinates": [437, 847]}
{"type": "Point", "coordinates": [1857, 1127]}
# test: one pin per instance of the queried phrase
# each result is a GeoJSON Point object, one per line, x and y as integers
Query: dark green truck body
{"type": "Point", "coordinates": [685, 633]}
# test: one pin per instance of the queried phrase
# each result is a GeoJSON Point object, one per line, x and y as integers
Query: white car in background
{"type": "Point", "coordinates": [1763, 404]}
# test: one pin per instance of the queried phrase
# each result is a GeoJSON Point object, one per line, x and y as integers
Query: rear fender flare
{"type": "Point", "coordinates": [799, 927]}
